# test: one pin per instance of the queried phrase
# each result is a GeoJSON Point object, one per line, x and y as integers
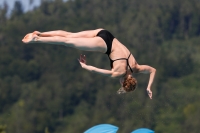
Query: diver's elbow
{"type": "Point", "coordinates": [115, 75]}
{"type": "Point", "coordinates": [153, 70]}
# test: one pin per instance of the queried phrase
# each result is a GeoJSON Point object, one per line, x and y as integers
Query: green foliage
{"type": "Point", "coordinates": [46, 130]}
{"type": "Point", "coordinates": [2, 128]}
{"type": "Point", "coordinates": [43, 88]}
{"type": "Point", "coordinates": [18, 9]}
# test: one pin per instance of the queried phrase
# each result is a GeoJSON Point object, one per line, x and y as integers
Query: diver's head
{"type": "Point", "coordinates": [129, 84]}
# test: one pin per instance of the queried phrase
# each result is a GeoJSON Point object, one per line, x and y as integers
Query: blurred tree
{"type": "Point", "coordinates": [31, 2]}
{"type": "Point", "coordinates": [18, 9]}
{"type": "Point", "coordinates": [2, 128]}
{"type": "Point", "coordinates": [3, 13]}
{"type": "Point", "coordinates": [43, 85]}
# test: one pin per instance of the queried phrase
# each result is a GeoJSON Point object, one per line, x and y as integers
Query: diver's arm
{"type": "Point", "coordinates": [104, 72]}
{"type": "Point", "coordinates": [148, 70]}
{"type": "Point", "coordinates": [109, 73]}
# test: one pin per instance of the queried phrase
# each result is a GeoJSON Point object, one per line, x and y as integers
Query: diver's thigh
{"type": "Point", "coordinates": [88, 44]}
{"type": "Point", "coordinates": [84, 34]}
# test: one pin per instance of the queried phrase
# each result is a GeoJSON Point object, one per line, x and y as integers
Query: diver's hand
{"type": "Point", "coordinates": [149, 92]}
{"type": "Point", "coordinates": [82, 60]}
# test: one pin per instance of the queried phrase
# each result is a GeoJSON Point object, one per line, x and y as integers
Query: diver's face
{"type": "Point", "coordinates": [121, 80]}
{"type": "Point", "coordinates": [121, 90]}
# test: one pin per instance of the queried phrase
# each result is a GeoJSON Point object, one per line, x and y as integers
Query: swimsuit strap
{"type": "Point", "coordinates": [119, 59]}
{"type": "Point", "coordinates": [126, 61]}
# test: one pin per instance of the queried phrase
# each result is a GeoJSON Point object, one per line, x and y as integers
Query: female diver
{"type": "Point", "coordinates": [122, 62]}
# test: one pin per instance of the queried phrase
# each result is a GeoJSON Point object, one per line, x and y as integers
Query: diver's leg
{"type": "Point", "coordinates": [52, 33]}
{"type": "Point", "coordinates": [82, 34]}
{"type": "Point", "coordinates": [86, 44]}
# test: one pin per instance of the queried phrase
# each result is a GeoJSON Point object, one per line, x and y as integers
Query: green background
{"type": "Point", "coordinates": [43, 89]}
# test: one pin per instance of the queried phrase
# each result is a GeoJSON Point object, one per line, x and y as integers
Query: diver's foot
{"type": "Point", "coordinates": [30, 38]}
{"type": "Point", "coordinates": [37, 33]}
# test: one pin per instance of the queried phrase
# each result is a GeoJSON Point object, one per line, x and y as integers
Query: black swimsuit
{"type": "Point", "coordinates": [108, 38]}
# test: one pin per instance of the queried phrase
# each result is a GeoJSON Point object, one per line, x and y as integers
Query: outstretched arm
{"type": "Point", "coordinates": [104, 72]}
{"type": "Point", "coordinates": [148, 70]}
